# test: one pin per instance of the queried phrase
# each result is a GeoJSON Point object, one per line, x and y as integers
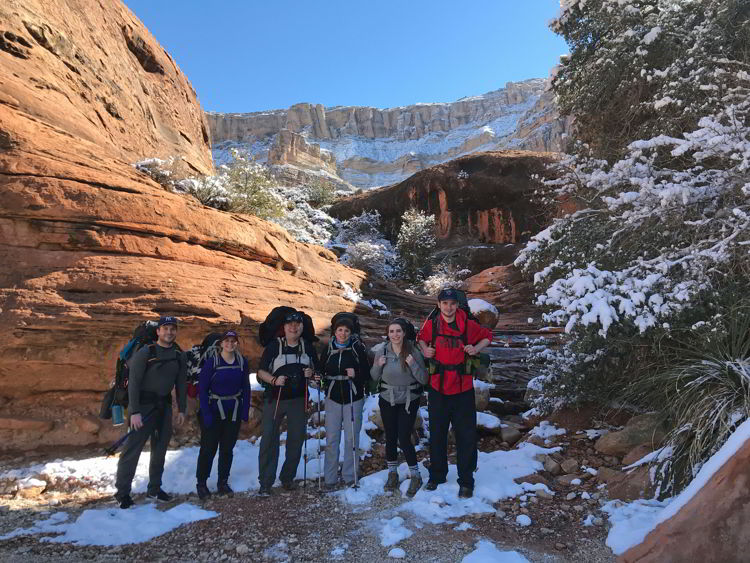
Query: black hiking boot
{"type": "Point", "coordinates": [160, 496]}
{"type": "Point", "coordinates": [465, 492]}
{"type": "Point", "coordinates": [414, 485]}
{"type": "Point", "coordinates": [392, 483]}
{"type": "Point", "coordinates": [126, 501]}
{"type": "Point", "coordinates": [224, 489]}
{"type": "Point", "coordinates": [264, 491]}
{"type": "Point", "coordinates": [290, 486]}
{"type": "Point", "coordinates": [432, 485]}
{"type": "Point", "coordinates": [203, 492]}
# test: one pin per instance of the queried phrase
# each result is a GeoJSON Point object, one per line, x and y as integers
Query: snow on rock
{"type": "Point", "coordinates": [523, 520]}
{"type": "Point", "coordinates": [488, 421]}
{"type": "Point", "coordinates": [545, 430]}
{"type": "Point", "coordinates": [486, 552]}
{"type": "Point", "coordinates": [632, 522]}
{"type": "Point", "coordinates": [112, 526]}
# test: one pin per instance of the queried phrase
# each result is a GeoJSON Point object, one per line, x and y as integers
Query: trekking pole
{"type": "Point", "coordinates": [304, 411]}
{"type": "Point", "coordinates": [355, 439]}
{"type": "Point", "coordinates": [320, 471]}
{"type": "Point", "coordinates": [116, 446]}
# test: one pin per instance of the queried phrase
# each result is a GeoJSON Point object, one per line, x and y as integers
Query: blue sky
{"type": "Point", "coordinates": [244, 56]}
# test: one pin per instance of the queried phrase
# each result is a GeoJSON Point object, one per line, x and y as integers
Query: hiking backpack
{"type": "Point", "coordinates": [273, 326]}
{"type": "Point", "coordinates": [143, 335]}
{"type": "Point", "coordinates": [197, 356]}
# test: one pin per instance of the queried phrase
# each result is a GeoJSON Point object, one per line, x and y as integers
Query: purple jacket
{"type": "Point", "coordinates": [218, 378]}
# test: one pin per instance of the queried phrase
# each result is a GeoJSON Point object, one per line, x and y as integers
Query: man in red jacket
{"type": "Point", "coordinates": [446, 341]}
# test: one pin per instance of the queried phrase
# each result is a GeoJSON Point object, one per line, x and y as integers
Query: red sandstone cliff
{"type": "Point", "coordinates": [89, 246]}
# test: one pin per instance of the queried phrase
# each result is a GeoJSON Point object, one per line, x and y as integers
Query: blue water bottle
{"type": "Point", "coordinates": [118, 415]}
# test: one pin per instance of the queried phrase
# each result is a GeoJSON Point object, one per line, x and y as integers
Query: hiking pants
{"type": "Point", "coordinates": [159, 428]}
{"type": "Point", "coordinates": [338, 415]}
{"type": "Point", "coordinates": [398, 424]}
{"type": "Point", "coordinates": [268, 457]}
{"type": "Point", "coordinates": [222, 434]}
{"type": "Point", "coordinates": [459, 411]}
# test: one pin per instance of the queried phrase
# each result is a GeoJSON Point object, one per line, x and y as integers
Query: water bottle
{"type": "Point", "coordinates": [118, 415]}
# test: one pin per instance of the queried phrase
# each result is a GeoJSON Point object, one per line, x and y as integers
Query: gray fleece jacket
{"type": "Point", "coordinates": [169, 370]}
{"type": "Point", "coordinates": [395, 380]}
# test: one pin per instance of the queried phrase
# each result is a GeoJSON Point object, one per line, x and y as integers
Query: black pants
{"type": "Point", "coordinates": [398, 424]}
{"type": "Point", "coordinates": [460, 411]}
{"type": "Point", "coordinates": [222, 434]}
{"type": "Point", "coordinates": [157, 427]}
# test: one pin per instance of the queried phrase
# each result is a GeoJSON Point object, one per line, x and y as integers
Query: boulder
{"type": "Point", "coordinates": [642, 429]}
{"type": "Point", "coordinates": [510, 434]}
{"type": "Point", "coordinates": [607, 474]}
{"type": "Point", "coordinates": [485, 312]}
{"type": "Point", "coordinates": [30, 488]}
{"type": "Point", "coordinates": [551, 466]}
{"type": "Point", "coordinates": [630, 486]}
{"type": "Point", "coordinates": [710, 527]}
{"type": "Point", "coordinates": [570, 465]}
{"type": "Point", "coordinates": [482, 397]}
{"type": "Point", "coordinates": [636, 454]}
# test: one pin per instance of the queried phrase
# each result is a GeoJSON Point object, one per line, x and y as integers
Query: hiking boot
{"type": "Point", "coordinates": [203, 492]}
{"type": "Point", "coordinates": [160, 496]}
{"type": "Point", "coordinates": [290, 486]}
{"type": "Point", "coordinates": [224, 489]}
{"type": "Point", "coordinates": [392, 483]}
{"type": "Point", "coordinates": [465, 492]}
{"type": "Point", "coordinates": [126, 501]}
{"type": "Point", "coordinates": [431, 485]}
{"type": "Point", "coordinates": [264, 492]}
{"type": "Point", "coordinates": [414, 485]}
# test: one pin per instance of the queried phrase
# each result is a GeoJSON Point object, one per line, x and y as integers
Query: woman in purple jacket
{"type": "Point", "coordinates": [224, 392]}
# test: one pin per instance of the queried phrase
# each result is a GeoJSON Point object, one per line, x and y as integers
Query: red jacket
{"type": "Point", "coordinates": [449, 350]}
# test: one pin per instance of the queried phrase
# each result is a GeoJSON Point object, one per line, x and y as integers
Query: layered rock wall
{"type": "Point", "coordinates": [90, 246]}
{"type": "Point", "coordinates": [381, 146]}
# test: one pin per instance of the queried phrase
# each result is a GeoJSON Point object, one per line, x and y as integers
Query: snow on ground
{"type": "Point", "coordinates": [486, 552]}
{"type": "Point", "coordinates": [632, 522]}
{"type": "Point", "coordinates": [397, 553]}
{"type": "Point", "coordinates": [393, 531]}
{"type": "Point", "coordinates": [494, 481]}
{"type": "Point", "coordinates": [112, 526]}
{"type": "Point", "coordinates": [179, 467]}
{"type": "Point", "coordinates": [546, 430]}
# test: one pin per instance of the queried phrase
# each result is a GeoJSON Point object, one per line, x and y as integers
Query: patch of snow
{"type": "Point", "coordinates": [393, 531]}
{"type": "Point", "coordinates": [523, 520]}
{"type": "Point", "coordinates": [113, 526]}
{"type": "Point", "coordinates": [486, 552]}
{"type": "Point", "coordinates": [397, 553]}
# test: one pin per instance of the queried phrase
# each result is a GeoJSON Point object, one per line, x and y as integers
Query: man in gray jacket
{"type": "Point", "coordinates": [154, 371]}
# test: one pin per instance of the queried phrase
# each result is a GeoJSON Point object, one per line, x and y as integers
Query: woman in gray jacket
{"type": "Point", "coordinates": [400, 369]}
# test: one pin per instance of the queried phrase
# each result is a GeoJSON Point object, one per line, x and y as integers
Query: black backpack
{"type": "Point", "coordinates": [143, 335]}
{"type": "Point", "coordinates": [273, 326]}
{"type": "Point", "coordinates": [197, 355]}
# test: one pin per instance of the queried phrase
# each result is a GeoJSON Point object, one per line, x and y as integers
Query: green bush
{"type": "Point", "coordinates": [416, 241]}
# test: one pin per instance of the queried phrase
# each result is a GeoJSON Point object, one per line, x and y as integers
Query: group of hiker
{"type": "Point", "coordinates": [440, 357]}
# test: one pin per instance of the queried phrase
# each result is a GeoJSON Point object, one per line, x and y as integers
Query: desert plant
{"type": "Point", "coordinates": [250, 185]}
{"type": "Point", "coordinates": [320, 193]}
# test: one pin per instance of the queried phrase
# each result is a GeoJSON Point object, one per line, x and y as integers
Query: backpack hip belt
{"type": "Point", "coordinates": [408, 388]}
{"type": "Point", "coordinates": [220, 398]}
{"type": "Point", "coordinates": [340, 378]}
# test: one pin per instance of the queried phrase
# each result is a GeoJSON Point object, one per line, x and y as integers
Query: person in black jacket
{"type": "Point", "coordinates": [346, 371]}
{"type": "Point", "coordinates": [285, 368]}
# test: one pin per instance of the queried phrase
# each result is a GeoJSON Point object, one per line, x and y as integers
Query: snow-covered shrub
{"type": "Point", "coordinates": [210, 190]}
{"type": "Point", "coordinates": [159, 170]}
{"type": "Point", "coordinates": [251, 187]}
{"type": "Point", "coordinates": [659, 245]}
{"type": "Point", "coordinates": [446, 274]}
{"type": "Point", "coordinates": [416, 241]}
{"type": "Point", "coordinates": [320, 193]}
{"type": "Point", "coordinates": [364, 245]}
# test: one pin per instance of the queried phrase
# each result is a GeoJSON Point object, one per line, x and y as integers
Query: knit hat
{"type": "Point", "coordinates": [344, 321]}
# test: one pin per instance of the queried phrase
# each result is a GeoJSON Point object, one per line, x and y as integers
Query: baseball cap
{"type": "Point", "coordinates": [167, 321]}
{"type": "Point", "coordinates": [295, 317]}
{"type": "Point", "coordinates": [447, 293]}
{"type": "Point", "coordinates": [230, 334]}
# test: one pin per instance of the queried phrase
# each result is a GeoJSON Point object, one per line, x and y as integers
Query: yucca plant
{"type": "Point", "coordinates": [704, 395]}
